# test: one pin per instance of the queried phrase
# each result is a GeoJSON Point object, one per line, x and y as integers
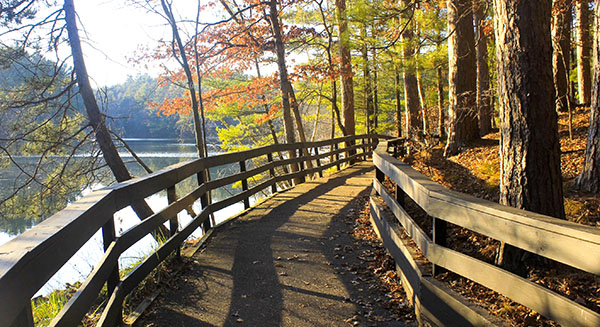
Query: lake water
{"type": "Point", "coordinates": [156, 153]}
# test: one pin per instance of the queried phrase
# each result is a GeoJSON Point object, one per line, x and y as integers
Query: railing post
{"type": "Point", "coordinates": [272, 173]}
{"type": "Point", "coordinates": [337, 156]}
{"type": "Point", "coordinates": [400, 195]}
{"type": "Point", "coordinates": [302, 165]}
{"type": "Point", "coordinates": [108, 236]}
{"type": "Point", "coordinates": [364, 148]}
{"type": "Point", "coordinates": [439, 237]}
{"type": "Point", "coordinates": [173, 222]}
{"type": "Point", "coordinates": [203, 199]}
{"type": "Point", "coordinates": [379, 175]}
{"type": "Point", "coordinates": [244, 184]}
{"type": "Point", "coordinates": [25, 318]}
{"type": "Point", "coordinates": [318, 161]}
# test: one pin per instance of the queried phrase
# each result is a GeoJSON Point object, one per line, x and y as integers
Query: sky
{"type": "Point", "coordinates": [112, 32]}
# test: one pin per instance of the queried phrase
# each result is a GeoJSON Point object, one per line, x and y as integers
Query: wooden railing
{"type": "Point", "coordinates": [31, 259]}
{"type": "Point", "coordinates": [569, 243]}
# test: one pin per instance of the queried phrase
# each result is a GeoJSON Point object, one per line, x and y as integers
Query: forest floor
{"type": "Point", "coordinates": [476, 171]}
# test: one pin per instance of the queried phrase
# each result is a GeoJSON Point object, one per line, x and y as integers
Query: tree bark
{"type": "Point", "coordinates": [411, 88]}
{"type": "Point", "coordinates": [334, 106]}
{"type": "Point", "coordinates": [483, 71]}
{"type": "Point", "coordinates": [368, 92]}
{"type": "Point", "coordinates": [530, 175]}
{"type": "Point", "coordinates": [462, 77]}
{"type": "Point", "coordinates": [347, 84]}
{"type": "Point", "coordinates": [189, 78]}
{"type": "Point", "coordinates": [441, 111]}
{"type": "Point", "coordinates": [398, 100]}
{"type": "Point", "coordinates": [287, 91]}
{"type": "Point", "coordinates": [103, 138]}
{"type": "Point", "coordinates": [589, 179]}
{"type": "Point", "coordinates": [561, 59]}
{"type": "Point", "coordinates": [584, 76]}
{"type": "Point", "coordinates": [375, 91]}
{"type": "Point", "coordinates": [422, 101]}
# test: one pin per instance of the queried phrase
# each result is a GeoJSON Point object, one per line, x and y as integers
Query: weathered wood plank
{"type": "Point", "coordinates": [412, 228]}
{"type": "Point", "coordinates": [523, 291]}
{"type": "Point", "coordinates": [446, 308]}
{"type": "Point", "coordinates": [73, 312]}
{"type": "Point", "coordinates": [397, 248]}
{"type": "Point", "coordinates": [31, 259]}
{"type": "Point", "coordinates": [553, 238]}
{"type": "Point", "coordinates": [49, 245]}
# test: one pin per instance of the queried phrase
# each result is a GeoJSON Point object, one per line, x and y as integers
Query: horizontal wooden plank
{"type": "Point", "coordinates": [412, 228]}
{"type": "Point", "coordinates": [46, 248]}
{"type": "Point", "coordinates": [523, 291]}
{"type": "Point", "coordinates": [74, 311]}
{"type": "Point", "coordinates": [566, 242]}
{"type": "Point", "coordinates": [403, 255]}
{"type": "Point", "coordinates": [32, 258]}
{"type": "Point", "coordinates": [114, 310]}
{"type": "Point", "coordinates": [447, 308]}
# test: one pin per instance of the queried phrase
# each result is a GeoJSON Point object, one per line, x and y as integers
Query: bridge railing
{"type": "Point", "coordinates": [572, 244]}
{"type": "Point", "coordinates": [30, 260]}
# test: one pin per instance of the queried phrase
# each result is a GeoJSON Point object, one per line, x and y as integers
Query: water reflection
{"type": "Point", "coordinates": [157, 154]}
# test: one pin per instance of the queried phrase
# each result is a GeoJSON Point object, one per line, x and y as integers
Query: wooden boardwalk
{"type": "Point", "coordinates": [285, 263]}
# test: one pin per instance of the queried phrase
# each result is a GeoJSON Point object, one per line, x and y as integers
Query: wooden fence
{"type": "Point", "coordinates": [569, 243]}
{"type": "Point", "coordinates": [31, 259]}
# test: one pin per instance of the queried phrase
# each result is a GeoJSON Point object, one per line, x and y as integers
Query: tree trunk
{"type": "Point", "coordinates": [530, 176]}
{"type": "Point", "coordinates": [589, 179]}
{"type": "Point", "coordinates": [368, 92]}
{"type": "Point", "coordinates": [284, 83]}
{"type": "Point", "coordinates": [335, 113]}
{"type": "Point", "coordinates": [441, 112]}
{"type": "Point", "coordinates": [347, 83]}
{"type": "Point", "coordinates": [462, 77]}
{"type": "Point", "coordinates": [422, 101]}
{"type": "Point", "coordinates": [584, 76]}
{"type": "Point", "coordinates": [189, 78]}
{"type": "Point", "coordinates": [561, 59]}
{"type": "Point", "coordinates": [375, 91]}
{"type": "Point", "coordinates": [411, 88]}
{"type": "Point", "coordinates": [398, 100]}
{"type": "Point", "coordinates": [109, 151]}
{"type": "Point", "coordinates": [483, 71]}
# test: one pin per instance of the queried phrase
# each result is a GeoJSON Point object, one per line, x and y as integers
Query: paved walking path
{"type": "Point", "coordinates": [285, 263]}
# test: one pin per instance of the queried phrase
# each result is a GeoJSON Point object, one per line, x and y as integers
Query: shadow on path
{"type": "Point", "coordinates": [254, 269]}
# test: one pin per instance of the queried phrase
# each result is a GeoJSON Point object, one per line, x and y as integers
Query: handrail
{"type": "Point", "coordinates": [31, 259]}
{"type": "Point", "coordinates": [566, 242]}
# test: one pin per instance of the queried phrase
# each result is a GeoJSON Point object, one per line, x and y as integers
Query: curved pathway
{"type": "Point", "coordinates": [286, 262]}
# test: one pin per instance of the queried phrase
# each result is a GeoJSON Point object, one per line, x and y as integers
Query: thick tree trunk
{"type": "Point", "coordinates": [411, 88]}
{"type": "Point", "coordinates": [441, 111]}
{"type": "Point", "coordinates": [584, 76]}
{"type": "Point", "coordinates": [483, 71]}
{"type": "Point", "coordinates": [589, 179]}
{"type": "Point", "coordinates": [109, 151]}
{"type": "Point", "coordinates": [561, 59]}
{"type": "Point", "coordinates": [347, 84]}
{"type": "Point", "coordinates": [530, 175]}
{"type": "Point", "coordinates": [462, 77]}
